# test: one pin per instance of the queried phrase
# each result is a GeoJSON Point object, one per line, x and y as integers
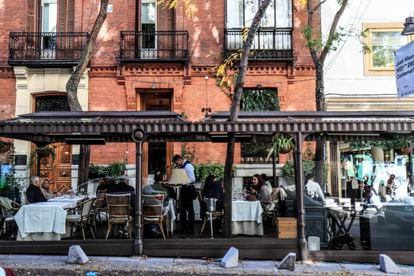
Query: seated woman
{"type": "Point", "coordinates": [211, 189]}
{"type": "Point", "coordinates": [45, 190]}
{"type": "Point", "coordinates": [260, 190]}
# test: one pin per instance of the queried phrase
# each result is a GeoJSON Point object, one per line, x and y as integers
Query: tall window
{"type": "Point", "coordinates": [382, 40]}
{"type": "Point", "coordinates": [148, 20]}
{"type": "Point", "coordinates": [240, 13]}
{"type": "Point", "coordinates": [257, 99]}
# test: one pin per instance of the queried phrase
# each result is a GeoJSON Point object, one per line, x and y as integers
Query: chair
{"type": "Point", "coordinates": [8, 210]}
{"type": "Point", "coordinates": [118, 211]}
{"type": "Point", "coordinates": [211, 215]}
{"type": "Point", "coordinates": [82, 219]}
{"type": "Point", "coordinates": [270, 211]}
{"type": "Point", "coordinates": [153, 211]}
{"type": "Point", "coordinates": [99, 208]}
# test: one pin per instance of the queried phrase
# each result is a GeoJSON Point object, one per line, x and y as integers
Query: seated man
{"type": "Point", "coordinates": [34, 193]}
{"type": "Point", "coordinates": [158, 184]}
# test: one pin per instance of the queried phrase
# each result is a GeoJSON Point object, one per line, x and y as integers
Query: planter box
{"type": "Point", "coordinates": [286, 228]}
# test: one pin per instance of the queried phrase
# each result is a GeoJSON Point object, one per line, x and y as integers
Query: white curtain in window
{"type": "Point", "coordinates": [234, 14]}
{"type": "Point", "coordinates": [283, 13]}
{"type": "Point", "coordinates": [268, 19]}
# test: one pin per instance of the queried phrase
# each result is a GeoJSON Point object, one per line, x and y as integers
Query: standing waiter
{"type": "Point", "coordinates": [187, 195]}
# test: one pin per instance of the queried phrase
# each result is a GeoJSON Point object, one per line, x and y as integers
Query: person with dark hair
{"type": "Point", "coordinates": [110, 185]}
{"type": "Point", "coordinates": [267, 182]}
{"type": "Point", "coordinates": [34, 193]}
{"type": "Point", "coordinates": [260, 190]}
{"type": "Point", "coordinates": [102, 186]}
{"type": "Point", "coordinates": [159, 185]}
{"type": "Point", "coordinates": [211, 189]}
{"type": "Point", "coordinates": [187, 195]}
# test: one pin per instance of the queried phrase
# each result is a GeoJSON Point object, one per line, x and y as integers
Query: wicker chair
{"type": "Point", "coordinates": [99, 208]}
{"type": "Point", "coordinates": [118, 211]}
{"type": "Point", "coordinates": [153, 211]}
{"type": "Point", "coordinates": [83, 218]}
{"type": "Point", "coordinates": [7, 212]}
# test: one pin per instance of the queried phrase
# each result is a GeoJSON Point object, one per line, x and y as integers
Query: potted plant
{"type": "Point", "coordinates": [281, 143]}
{"type": "Point", "coordinates": [43, 152]}
{"type": "Point", "coordinates": [5, 146]}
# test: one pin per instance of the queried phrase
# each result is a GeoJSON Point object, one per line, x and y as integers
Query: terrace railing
{"type": "Point", "coordinates": [154, 46]}
{"type": "Point", "coordinates": [46, 48]}
{"type": "Point", "coordinates": [268, 44]}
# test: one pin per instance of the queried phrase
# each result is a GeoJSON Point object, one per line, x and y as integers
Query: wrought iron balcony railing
{"type": "Point", "coordinates": [43, 49]}
{"type": "Point", "coordinates": [268, 44]}
{"type": "Point", "coordinates": [154, 46]}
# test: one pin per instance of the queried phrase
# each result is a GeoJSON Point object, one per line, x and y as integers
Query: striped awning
{"type": "Point", "coordinates": [170, 126]}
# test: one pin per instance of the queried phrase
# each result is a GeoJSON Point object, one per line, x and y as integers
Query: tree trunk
{"type": "Point", "coordinates": [320, 145]}
{"type": "Point", "coordinates": [238, 90]}
{"type": "Point", "coordinates": [73, 83]}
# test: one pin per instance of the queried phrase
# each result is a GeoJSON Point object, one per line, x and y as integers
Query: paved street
{"type": "Point", "coordinates": [56, 265]}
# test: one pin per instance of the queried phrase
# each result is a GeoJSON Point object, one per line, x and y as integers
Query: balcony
{"type": "Point", "coordinates": [46, 49]}
{"type": "Point", "coordinates": [154, 46]}
{"type": "Point", "coordinates": [268, 44]}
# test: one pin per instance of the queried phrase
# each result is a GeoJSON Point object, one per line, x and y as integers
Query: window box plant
{"type": "Point", "coordinates": [5, 146]}
{"type": "Point", "coordinates": [43, 152]}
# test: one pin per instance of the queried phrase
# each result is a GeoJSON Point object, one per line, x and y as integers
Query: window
{"type": "Point", "coordinates": [257, 99]}
{"type": "Point", "coordinates": [240, 13]}
{"type": "Point", "coordinates": [382, 39]}
{"type": "Point", "coordinates": [51, 103]}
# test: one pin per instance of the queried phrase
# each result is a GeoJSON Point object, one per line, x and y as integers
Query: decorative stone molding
{"type": "Point", "coordinates": [103, 71]}
{"type": "Point", "coordinates": [6, 72]}
{"type": "Point", "coordinates": [153, 70]}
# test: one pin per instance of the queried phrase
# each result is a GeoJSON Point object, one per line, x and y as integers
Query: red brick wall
{"type": "Point", "coordinates": [114, 87]}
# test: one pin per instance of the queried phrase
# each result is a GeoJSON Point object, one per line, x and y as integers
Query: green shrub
{"type": "Point", "coordinates": [203, 170]}
{"type": "Point", "coordinates": [113, 169]}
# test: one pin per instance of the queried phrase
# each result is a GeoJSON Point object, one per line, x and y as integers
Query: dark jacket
{"type": "Point", "coordinates": [34, 194]}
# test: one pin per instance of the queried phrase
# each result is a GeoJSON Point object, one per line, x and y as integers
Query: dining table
{"type": "Point", "coordinates": [45, 220]}
{"type": "Point", "coordinates": [247, 218]}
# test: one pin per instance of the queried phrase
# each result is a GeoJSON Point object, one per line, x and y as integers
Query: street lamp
{"type": "Point", "coordinates": [408, 26]}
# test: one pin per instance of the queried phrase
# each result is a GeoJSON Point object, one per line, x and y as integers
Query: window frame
{"type": "Point", "coordinates": [275, 19]}
{"type": "Point", "coordinates": [369, 29]}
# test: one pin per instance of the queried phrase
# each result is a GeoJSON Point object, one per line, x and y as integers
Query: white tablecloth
{"type": "Point", "coordinates": [170, 215]}
{"type": "Point", "coordinates": [42, 217]}
{"type": "Point", "coordinates": [247, 218]}
{"type": "Point", "coordinates": [69, 202]}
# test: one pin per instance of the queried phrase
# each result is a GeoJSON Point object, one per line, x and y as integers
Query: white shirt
{"type": "Point", "coordinates": [313, 190]}
{"type": "Point", "coordinates": [189, 169]}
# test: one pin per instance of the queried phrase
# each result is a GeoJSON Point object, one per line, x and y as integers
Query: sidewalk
{"type": "Point", "coordinates": [56, 265]}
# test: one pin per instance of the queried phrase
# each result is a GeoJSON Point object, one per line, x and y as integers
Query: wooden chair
{"type": "Point", "coordinates": [153, 211]}
{"type": "Point", "coordinates": [118, 211]}
{"type": "Point", "coordinates": [83, 218]}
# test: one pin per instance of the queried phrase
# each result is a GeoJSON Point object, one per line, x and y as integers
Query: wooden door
{"type": "Point", "coordinates": [62, 168]}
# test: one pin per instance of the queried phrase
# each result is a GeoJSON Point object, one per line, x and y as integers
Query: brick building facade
{"type": "Point", "coordinates": [153, 66]}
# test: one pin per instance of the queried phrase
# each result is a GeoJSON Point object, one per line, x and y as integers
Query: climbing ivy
{"type": "Point", "coordinates": [259, 100]}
